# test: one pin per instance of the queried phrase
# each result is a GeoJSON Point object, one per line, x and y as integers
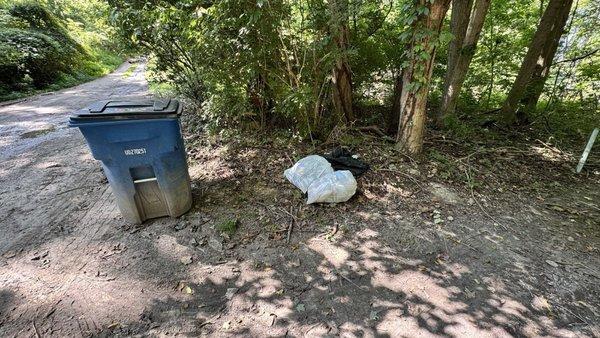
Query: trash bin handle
{"type": "Point", "coordinates": [161, 105]}
{"type": "Point", "coordinates": [157, 105]}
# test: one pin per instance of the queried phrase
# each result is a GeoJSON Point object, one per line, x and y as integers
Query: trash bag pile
{"type": "Point", "coordinates": [315, 175]}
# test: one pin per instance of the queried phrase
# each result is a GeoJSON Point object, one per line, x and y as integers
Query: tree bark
{"type": "Point", "coordinates": [459, 23]}
{"type": "Point", "coordinates": [542, 68]}
{"type": "Point", "coordinates": [417, 75]}
{"type": "Point", "coordinates": [394, 115]}
{"type": "Point", "coordinates": [342, 75]}
{"type": "Point", "coordinates": [551, 20]}
{"type": "Point", "coordinates": [455, 76]}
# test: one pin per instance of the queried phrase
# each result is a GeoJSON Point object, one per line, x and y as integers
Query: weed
{"type": "Point", "coordinates": [228, 227]}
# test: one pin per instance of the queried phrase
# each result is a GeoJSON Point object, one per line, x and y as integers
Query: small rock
{"type": "Point", "coordinates": [230, 293]}
{"type": "Point", "coordinates": [180, 226]}
{"type": "Point", "coordinates": [438, 221]}
{"type": "Point", "coordinates": [300, 307]}
{"type": "Point", "coordinates": [450, 218]}
{"type": "Point", "coordinates": [193, 242]}
{"type": "Point", "coordinates": [552, 263]}
{"type": "Point", "coordinates": [414, 172]}
{"type": "Point", "coordinates": [186, 260]}
{"type": "Point", "coordinates": [444, 194]}
{"type": "Point", "coordinates": [52, 165]}
{"type": "Point", "coordinates": [215, 244]}
{"type": "Point", "coordinates": [570, 239]}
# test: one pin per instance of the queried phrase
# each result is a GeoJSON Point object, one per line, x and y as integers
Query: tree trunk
{"type": "Point", "coordinates": [342, 75]}
{"type": "Point", "coordinates": [417, 75]}
{"type": "Point", "coordinates": [542, 68]}
{"type": "Point", "coordinates": [459, 23]}
{"type": "Point", "coordinates": [455, 76]}
{"type": "Point", "coordinates": [551, 20]}
{"type": "Point", "coordinates": [394, 115]}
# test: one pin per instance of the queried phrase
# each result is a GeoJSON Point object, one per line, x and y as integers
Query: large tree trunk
{"type": "Point", "coordinates": [551, 20]}
{"type": "Point", "coordinates": [342, 75]}
{"type": "Point", "coordinates": [417, 75]}
{"type": "Point", "coordinates": [542, 68]}
{"type": "Point", "coordinates": [457, 71]}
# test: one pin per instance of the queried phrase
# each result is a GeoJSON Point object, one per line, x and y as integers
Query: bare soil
{"type": "Point", "coordinates": [472, 241]}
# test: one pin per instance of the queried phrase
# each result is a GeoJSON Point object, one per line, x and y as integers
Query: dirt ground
{"type": "Point", "coordinates": [472, 241]}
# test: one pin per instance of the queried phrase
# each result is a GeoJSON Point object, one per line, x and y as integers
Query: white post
{"type": "Point", "coordinates": [587, 150]}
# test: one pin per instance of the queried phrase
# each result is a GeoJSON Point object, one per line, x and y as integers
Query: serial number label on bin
{"type": "Point", "coordinates": [135, 151]}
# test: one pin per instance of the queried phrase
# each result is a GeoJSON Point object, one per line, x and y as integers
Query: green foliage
{"type": "Point", "coordinates": [228, 227]}
{"type": "Point", "coordinates": [266, 62]}
{"type": "Point", "coordinates": [43, 50]}
{"type": "Point", "coordinates": [269, 63]}
{"type": "Point", "coordinates": [31, 53]}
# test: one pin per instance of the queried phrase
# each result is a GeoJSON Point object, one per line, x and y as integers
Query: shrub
{"type": "Point", "coordinates": [40, 19]}
{"type": "Point", "coordinates": [11, 71]}
{"type": "Point", "coordinates": [31, 53]}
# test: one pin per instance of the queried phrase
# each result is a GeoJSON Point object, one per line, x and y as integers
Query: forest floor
{"type": "Point", "coordinates": [476, 240]}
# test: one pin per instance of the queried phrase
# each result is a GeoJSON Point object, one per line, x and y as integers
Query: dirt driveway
{"type": "Point", "coordinates": [409, 256]}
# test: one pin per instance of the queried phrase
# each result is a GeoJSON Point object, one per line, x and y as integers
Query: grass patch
{"type": "Point", "coordinates": [129, 71]}
{"type": "Point", "coordinates": [228, 227]}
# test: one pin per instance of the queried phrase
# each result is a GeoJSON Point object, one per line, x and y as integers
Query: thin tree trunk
{"type": "Point", "coordinates": [394, 116]}
{"type": "Point", "coordinates": [342, 75]}
{"type": "Point", "coordinates": [542, 68]}
{"type": "Point", "coordinates": [456, 76]}
{"type": "Point", "coordinates": [550, 20]}
{"type": "Point", "coordinates": [417, 75]}
{"type": "Point", "coordinates": [459, 23]}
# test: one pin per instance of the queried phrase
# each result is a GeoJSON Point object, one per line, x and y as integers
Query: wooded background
{"type": "Point", "coordinates": [314, 66]}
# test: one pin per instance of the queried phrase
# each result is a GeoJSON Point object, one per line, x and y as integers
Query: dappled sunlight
{"type": "Point", "coordinates": [552, 154]}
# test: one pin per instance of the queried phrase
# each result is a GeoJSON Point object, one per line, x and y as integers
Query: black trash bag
{"type": "Point", "coordinates": [341, 159]}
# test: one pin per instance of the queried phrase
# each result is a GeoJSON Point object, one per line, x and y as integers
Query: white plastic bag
{"type": "Point", "coordinates": [308, 170]}
{"type": "Point", "coordinates": [338, 186]}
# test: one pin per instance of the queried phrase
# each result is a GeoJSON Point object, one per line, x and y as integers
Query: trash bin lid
{"type": "Point", "coordinates": [128, 110]}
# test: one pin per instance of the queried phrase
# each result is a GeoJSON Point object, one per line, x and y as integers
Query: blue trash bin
{"type": "Point", "coordinates": [141, 149]}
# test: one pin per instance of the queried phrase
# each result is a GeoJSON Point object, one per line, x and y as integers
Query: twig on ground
{"type": "Point", "coordinates": [335, 230]}
{"type": "Point", "coordinates": [403, 174]}
{"type": "Point", "coordinates": [293, 220]}
{"type": "Point", "coordinates": [35, 329]}
{"type": "Point", "coordinates": [350, 281]}
{"type": "Point", "coordinates": [376, 130]}
{"type": "Point", "coordinates": [290, 227]}
{"type": "Point", "coordinates": [469, 180]}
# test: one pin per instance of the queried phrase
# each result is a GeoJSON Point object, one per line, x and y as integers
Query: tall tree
{"type": "Point", "coordinates": [425, 18]}
{"type": "Point", "coordinates": [540, 53]}
{"type": "Point", "coordinates": [459, 22]}
{"type": "Point", "coordinates": [461, 51]}
{"type": "Point", "coordinates": [542, 68]}
{"type": "Point", "coordinates": [342, 75]}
